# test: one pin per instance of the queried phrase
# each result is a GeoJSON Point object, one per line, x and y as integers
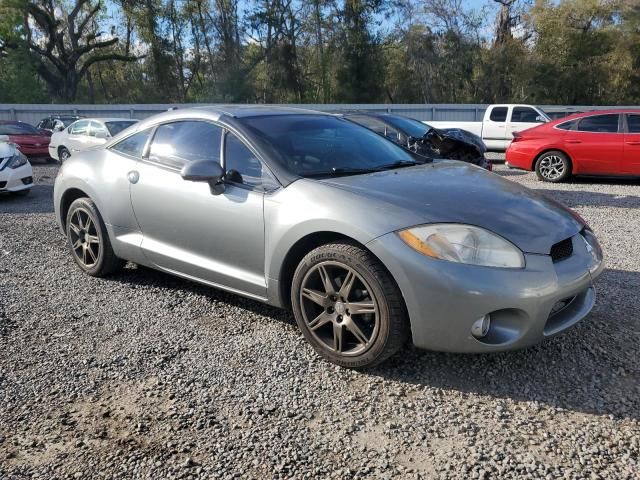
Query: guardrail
{"type": "Point", "coordinates": [449, 112]}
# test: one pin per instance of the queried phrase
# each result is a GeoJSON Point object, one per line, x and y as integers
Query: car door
{"type": "Point", "coordinates": [121, 162]}
{"type": "Point", "coordinates": [631, 157]}
{"type": "Point", "coordinates": [494, 129]}
{"type": "Point", "coordinates": [77, 136]}
{"type": "Point", "coordinates": [522, 118]}
{"type": "Point", "coordinates": [188, 230]}
{"type": "Point", "coordinates": [596, 144]}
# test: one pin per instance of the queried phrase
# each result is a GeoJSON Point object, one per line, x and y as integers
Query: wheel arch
{"type": "Point", "coordinates": [301, 248]}
{"type": "Point", "coordinates": [68, 197]}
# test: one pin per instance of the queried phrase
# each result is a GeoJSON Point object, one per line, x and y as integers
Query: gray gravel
{"type": "Point", "coordinates": [143, 375]}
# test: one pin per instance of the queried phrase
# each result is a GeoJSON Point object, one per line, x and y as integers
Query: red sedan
{"type": "Point", "coordinates": [603, 142]}
{"type": "Point", "coordinates": [31, 141]}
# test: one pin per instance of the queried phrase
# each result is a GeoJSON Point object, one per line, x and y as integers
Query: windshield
{"type": "Point", "coordinates": [408, 125]}
{"type": "Point", "coordinates": [18, 128]}
{"type": "Point", "coordinates": [116, 127]}
{"type": "Point", "coordinates": [544, 114]}
{"type": "Point", "coordinates": [310, 145]}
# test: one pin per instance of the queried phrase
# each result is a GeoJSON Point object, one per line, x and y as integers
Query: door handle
{"type": "Point", "coordinates": [133, 176]}
{"type": "Point", "coordinates": [634, 142]}
{"type": "Point", "coordinates": [574, 141]}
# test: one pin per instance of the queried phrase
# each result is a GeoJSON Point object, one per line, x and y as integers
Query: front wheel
{"type": "Point", "coordinates": [88, 240]}
{"type": "Point", "coordinates": [553, 167]}
{"type": "Point", "coordinates": [348, 306]}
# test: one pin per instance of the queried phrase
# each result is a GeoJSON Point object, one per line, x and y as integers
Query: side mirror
{"type": "Point", "coordinates": [205, 171]}
{"type": "Point", "coordinates": [102, 135]}
{"type": "Point", "coordinates": [540, 119]}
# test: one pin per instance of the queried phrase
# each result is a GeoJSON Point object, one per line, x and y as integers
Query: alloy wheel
{"type": "Point", "coordinates": [339, 308]}
{"type": "Point", "coordinates": [84, 238]}
{"type": "Point", "coordinates": [552, 167]}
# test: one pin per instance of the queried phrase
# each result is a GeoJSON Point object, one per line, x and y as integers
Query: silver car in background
{"type": "Point", "coordinates": [367, 243]}
{"type": "Point", "coordinates": [85, 134]}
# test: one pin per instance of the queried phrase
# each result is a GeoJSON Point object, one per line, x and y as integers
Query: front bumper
{"type": "Point", "coordinates": [14, 180]}
{"type": "Point", "coordinates": [444, 299]}
{"type": "Point", "coordinates": [53, 152]}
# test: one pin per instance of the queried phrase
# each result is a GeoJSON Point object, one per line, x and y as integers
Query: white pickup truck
{"type": "Point", "coordinates": [499, 123]}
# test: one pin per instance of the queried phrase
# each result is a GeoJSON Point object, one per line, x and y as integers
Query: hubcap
{"type": "Point", "coordinates": [339, 308]}
{"type": "Point", "coordinates": [83, 235]}
{"type": "Point", "coordinates": [552, 167]}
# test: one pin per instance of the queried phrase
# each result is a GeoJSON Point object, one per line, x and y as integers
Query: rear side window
{"type": "Point", "coordinates": [633, 123]}
{"type": "Point", "coordinates": [599, 123]}
{"type": "Point", "coordinates": [133, 146]}
{"type": "Point", "coordinates": [524, 115]}
{"type": "Point", "coordinates": [498, 114]}
{"type": "Point", "coordinates": [567, 125]}
{"type": "Point", "coordinates": [178, 143]}
{"type": "Point", "coordinates": [80, 128]}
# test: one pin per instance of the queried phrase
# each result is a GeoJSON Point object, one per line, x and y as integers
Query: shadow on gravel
{"type": "Point", "coordinates": [39, 200]}
{"type": "Point", "coordinates": [592, 368]}
{"type": "Point", "coordinates": [512, 173]}
{"type": "Point", "coordinates": [148, 277]}
{"type": "Point", "coordinates": [586, 198]}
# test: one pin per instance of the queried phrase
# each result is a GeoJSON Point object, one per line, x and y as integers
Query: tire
{"type": "Point", "coordinates": [327, 320]}
{"type": "Point", "coordinates": [553, 166]}
{"type": "Point", "coordinates": [88, 241]}
{"type": "Point", "coordinates": [63, 154]}
{"type": "Point", "coordinates": [22, 193]}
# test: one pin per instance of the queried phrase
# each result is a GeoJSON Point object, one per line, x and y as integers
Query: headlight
{"type": "Point", "coordinates": [594, 249]}
{"type": "Point", "coordinates": [17, 160]}
{"type": "Point", "coordinates": [463, 244]}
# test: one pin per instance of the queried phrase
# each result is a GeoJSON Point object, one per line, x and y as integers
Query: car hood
{"type": "Point", "coordinates": [456, 192]}
{"type": "Point", "coordinates": [464, 137]}
{"type": "Point", "coordinates": [31, 140]}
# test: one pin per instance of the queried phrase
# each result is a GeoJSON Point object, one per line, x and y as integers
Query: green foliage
{"type": "Point", "coordinates": [351, 51]}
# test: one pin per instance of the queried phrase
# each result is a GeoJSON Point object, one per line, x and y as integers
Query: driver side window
{"type": "Point", "coordinates": [243, 167]}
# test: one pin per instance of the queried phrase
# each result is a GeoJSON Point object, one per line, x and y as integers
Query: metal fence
{"type": "Point", "coordinates": [449, 112]}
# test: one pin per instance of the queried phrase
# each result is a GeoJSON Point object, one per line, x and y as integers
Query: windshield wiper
{"type": "Point", "coordinates": [337, 171]}
{"type": "Point", "coordinates": [397, 164]}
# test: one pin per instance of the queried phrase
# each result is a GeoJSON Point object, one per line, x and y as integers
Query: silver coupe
{"type": "Point", "coordinates": [368, 244]}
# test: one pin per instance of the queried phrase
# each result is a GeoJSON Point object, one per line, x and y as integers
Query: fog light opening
{"type": "Point", "coordinates": [481, 326]}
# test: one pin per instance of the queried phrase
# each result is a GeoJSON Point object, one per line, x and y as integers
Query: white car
{"type": "Point", "coordinates": [85, 134]}
{"type": "Point", "coordinates": [16, 175]}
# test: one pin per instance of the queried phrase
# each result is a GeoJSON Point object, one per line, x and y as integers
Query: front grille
{"type": "Point", "coordinates": [562, 250]}
{"type": "Point", "coordinates": [3, 184]}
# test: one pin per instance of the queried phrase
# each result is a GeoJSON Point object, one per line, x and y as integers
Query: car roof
{"type": "Point", "coordinates": [241, 111]}
{"type": "Point", "coordinates": [110, 119]}
{"type": "Point", "coordinates": [12, 122]}
{"type": "Point", "coordinates": [215, 112]}
{"type": "Point", "coordinates": [596, 112]}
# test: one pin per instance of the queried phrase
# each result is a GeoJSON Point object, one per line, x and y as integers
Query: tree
{"type": "Point", "coordinates": [64, 45]}
{"type": "Point", "coordinates": [360, 64]}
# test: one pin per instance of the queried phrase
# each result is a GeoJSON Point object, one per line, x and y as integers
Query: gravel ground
{"type": "Point", "coordinates": [143, 375]}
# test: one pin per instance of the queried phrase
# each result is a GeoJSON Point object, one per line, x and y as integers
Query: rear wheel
{"type": "Point", "coordinates": [88, 239]}
{"type": "Point", "coordinates": [553, 166]}
{"type": "Point", "coordinates": [63, 154]}
{"type": "Point", "coordinates": [348, 306]}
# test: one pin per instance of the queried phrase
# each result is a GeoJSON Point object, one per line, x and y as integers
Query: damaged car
{"type": "Point", "coordinates": [421, 138]}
